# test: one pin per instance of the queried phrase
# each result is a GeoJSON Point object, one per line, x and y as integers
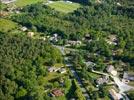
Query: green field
{"type": "Point", "coordinates": [21, 3]}
{"type": "Point", "coordinates": [64, 7]}
{"type": "Point", "coordinates": [7, 25]}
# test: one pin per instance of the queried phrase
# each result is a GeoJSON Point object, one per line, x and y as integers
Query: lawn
{"type": "Point", "coordinates": [64, 7]}
{"type": "Point", "coordinates": [59, 65]}
{"type": "Point", "coordinates": [21, 3]}
{"type": "Point", "coordinates": [131, 83]}
{"type": "Point", "coordinates": [7, 25]}
{"type": "Point", "coordinates": [51, 76]}
{"type": "Point", "coordinates": [94, 75]}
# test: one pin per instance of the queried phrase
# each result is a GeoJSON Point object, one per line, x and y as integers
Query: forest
{"type": "Point", "coordinates": [23, 60]}
{"type": "Point", "coordinates": [98, 20]}
{"type": "Point", "coordinates": [23, 63]}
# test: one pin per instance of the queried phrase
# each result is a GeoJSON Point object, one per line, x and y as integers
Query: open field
{"type": "Point", "coordinates": [7, 25]}
{"type": "Point", "coordinates": [64, 7]}
{"type": "Point", "coordinates": [21, 3]}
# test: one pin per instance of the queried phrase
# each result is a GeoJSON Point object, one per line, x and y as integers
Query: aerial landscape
{"type": "Point", "coordinates": [66, 49]}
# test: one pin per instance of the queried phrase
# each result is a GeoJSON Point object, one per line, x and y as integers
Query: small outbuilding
{"type": "Point", "coordinates": [62, 70]}
{"type": "Point", "coordinates": [53, 69]}
{"type": "Point", "coordinates": [24, 28]}
{"type": "Point", "coordinates": [73, 43]}
{"type": "Point", "coordinates": [30, 34]}
{"type": "Point", "coordinates": [57, 92]}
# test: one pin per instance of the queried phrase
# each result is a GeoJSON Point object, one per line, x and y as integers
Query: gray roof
{"type": "Point", "coordinates": [128, 76]}
{"type": "Point", "coordinates": [110, 68]}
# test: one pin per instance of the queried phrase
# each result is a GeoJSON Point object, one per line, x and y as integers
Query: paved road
{"type": "Point", "coordinates": [122, 86]}
{"type": "Point", "coordinates": [84, 91]}
{"type": "Point", "coordinates": [63, 48]}
{"type": "Point", "coordinates": [78, 79]}
{"type": "Point", "coordinates": [101, 73]}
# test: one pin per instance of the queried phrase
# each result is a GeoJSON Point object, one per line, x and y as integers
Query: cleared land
{"type": "Point", "coordinates": [21, 3]}
{"type": "Point", "coordinates": [7, 25]}
{"type": "Point", "coordinates": [64, 7]}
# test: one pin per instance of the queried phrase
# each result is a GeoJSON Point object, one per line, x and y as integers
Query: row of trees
{"type": "Point", "coordinates": [75, 91]}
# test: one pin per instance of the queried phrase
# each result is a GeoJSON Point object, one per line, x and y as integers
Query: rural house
{"type": "Point", "coordinates": [102, 80]}
{"type": "Point", "coordinates": [110, 69]}
{"type": "Point", "coordinates": [114, 95]}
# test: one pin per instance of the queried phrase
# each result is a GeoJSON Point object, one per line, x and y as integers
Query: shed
{"type": "Point", "coordinates": [57, 92]}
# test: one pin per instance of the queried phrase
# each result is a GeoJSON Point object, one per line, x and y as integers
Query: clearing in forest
{"type": "Point", "coordinates": [7, 25]}
{"type": "Point", "coordinates": [21, 3]}
{"type": "Point", "coordinates": [64, 6]}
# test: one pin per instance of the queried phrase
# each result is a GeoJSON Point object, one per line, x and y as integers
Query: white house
{"type": "Point", "coordinates": [114, 95]}
{"type": "Point", "coordinates": [102, 80]}
{"type": "Point", "coordinates": [112, 39]}
{"type": "Point", "coordinates": [89, 63]}
{"type": "Point", "coordinates": [53, 69]}
{"type": "Point", "coordinates": [30, 34]}
{"type": "Point", "coordinates": [118, 4]}
{"type": "Point", "coordinates": [62, 70]}
{"type": "Point", "coordinates": [110, 69]}
{"type": "Point", "coordinates": [54, 38]}
{"type": "Point", "coordinates": [24, 28]}
{"type": "Point", "coordinates": [72, 42]}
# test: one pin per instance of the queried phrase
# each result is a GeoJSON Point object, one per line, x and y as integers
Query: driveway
{"type": "Point", "coordinates": [122, 86]}
{"type": "Point", "coordinates": [83, 89]}
{"type": "Point", "coordinates": [79, 81]}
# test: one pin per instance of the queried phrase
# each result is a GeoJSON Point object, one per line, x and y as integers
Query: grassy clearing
{"type": "Point", "coordinates": [64, 7]}
{"type": "Point", "coordinates": [59, 65]}
{"type": "Point", "coordinates": [93, 75]}
{"type": "Point", "coordinates": [21, 3]}
{"type": "Point", "coordinates": [131, 83]}
{"type": "Point", "coordinates": [7, 25]}
{"type": "Point", "coordinates": [51, 76]}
